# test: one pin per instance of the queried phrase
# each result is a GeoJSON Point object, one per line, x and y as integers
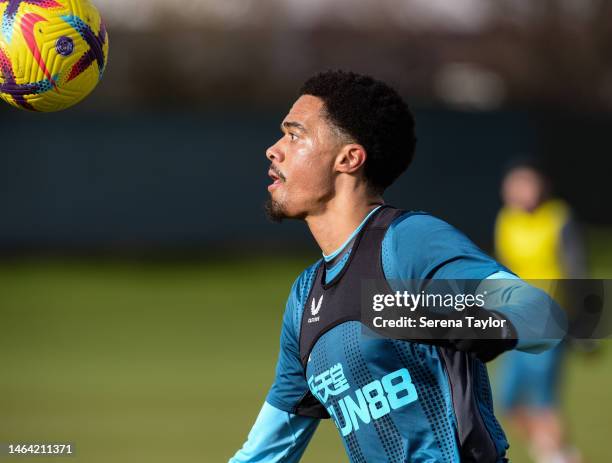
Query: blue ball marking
{"type": "Point", "coordinates": [64, 46]}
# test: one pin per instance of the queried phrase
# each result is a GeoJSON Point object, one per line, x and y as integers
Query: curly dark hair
{"type": "Point", "coordinates": [372, 114]}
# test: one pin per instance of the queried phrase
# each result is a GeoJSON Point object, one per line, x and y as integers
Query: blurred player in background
{"type": "Point", "coordinates": [536, 238]}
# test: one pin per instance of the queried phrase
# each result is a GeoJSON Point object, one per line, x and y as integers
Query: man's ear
{"type": "Point", "coordinates": [351, 158]}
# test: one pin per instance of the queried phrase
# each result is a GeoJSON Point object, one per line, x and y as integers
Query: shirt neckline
{"type": "Point", "coordinates": [334, 254]}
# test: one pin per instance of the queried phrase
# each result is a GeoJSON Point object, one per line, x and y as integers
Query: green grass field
{"type": "Point", "coordinates": [157, 363]}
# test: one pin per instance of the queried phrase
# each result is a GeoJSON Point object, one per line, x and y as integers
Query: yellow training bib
{"type": "Point", "coordinates": [529, 244]}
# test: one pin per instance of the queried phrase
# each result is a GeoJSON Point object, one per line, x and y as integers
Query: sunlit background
{"type": "Point", "coordinates": [141, 288]}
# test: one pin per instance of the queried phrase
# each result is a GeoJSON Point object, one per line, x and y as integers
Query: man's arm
{"type": "Point", "coordinates": [281, 433]}
{"type": "Point", "coordinates": [276, 436]}
{"type": "Point", "coordinates": [422, 247]}
{"type": "Point", "coordinates": [531, 320]}
{"type": "Point", "coordinates": [538, 321]}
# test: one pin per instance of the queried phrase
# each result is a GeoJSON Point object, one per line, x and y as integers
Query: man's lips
{"type": "Point", "coordinates": [277, 178]}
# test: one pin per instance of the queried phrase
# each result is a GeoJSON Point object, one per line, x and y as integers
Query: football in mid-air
{"type": "Point", "coordinates": [52, 52]}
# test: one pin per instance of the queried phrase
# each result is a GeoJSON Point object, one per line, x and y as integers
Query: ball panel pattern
{"type": "Point", "coordinates": [54, 54]}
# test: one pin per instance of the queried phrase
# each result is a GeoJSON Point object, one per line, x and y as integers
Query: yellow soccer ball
{"type": "Point", "coordinates": [52, 52]}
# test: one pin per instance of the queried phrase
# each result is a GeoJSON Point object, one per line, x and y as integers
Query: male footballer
{"type": "Point", "coordinates": [346, 139]}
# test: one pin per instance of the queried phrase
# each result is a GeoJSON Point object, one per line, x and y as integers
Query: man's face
{"type": "Point", "coordinates": [302, 161]}
{"type": "Point", "coordinates": [523, 189]}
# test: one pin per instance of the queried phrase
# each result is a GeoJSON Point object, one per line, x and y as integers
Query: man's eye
{"type": "Point", "coordinates": [293, 136]}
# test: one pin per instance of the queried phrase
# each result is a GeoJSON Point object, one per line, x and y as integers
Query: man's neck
{"type": "Point", "coordinates": [335, 223]}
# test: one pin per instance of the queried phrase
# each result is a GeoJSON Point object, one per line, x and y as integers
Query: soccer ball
{"type": "Point", "coordinates": [52, 52]}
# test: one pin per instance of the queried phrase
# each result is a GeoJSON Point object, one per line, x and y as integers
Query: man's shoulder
{"type": "Point", "coordinates": [298, 295]}
{"type": "Point", "coordinates": [418, 245]}
{"type": "Point", "coordinates": [417, 225]}
{"type": "Point", "coordinates": [303, 283]}
{"type": "Point", "coordinates": [413, 237]}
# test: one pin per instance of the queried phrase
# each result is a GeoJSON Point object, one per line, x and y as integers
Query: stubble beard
{"type": "Point", "coordinates": [275, 211]}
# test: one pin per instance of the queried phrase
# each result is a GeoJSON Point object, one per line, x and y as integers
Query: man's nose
{"type": "Point", "coordinates": [275, 154]}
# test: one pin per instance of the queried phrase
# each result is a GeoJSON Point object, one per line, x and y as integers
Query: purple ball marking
{"type": "Point", "coordinates": [64, 46]}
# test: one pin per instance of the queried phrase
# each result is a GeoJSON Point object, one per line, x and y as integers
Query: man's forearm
{"type": "Point", "coordinates": [276, 437]}
{"type": "Point", "coordinates": [539, 322]}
